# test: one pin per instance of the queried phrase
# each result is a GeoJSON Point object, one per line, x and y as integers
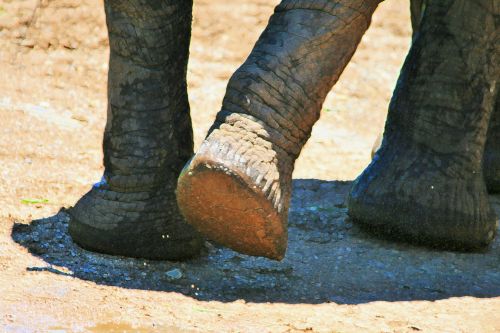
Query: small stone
{"type": "Point", "coordinates": [174, 274]}
{"type": "Point", "coordinates": [70, 44]}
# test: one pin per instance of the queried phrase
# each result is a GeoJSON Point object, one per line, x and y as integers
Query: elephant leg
{"type": "Point", "coordinates": [417, 8]}
{"type": "Point", "coordinates": [147, 139]}
{"type": "Point", "coordinates": [236, 189]}
{"type": "Point", "coordinates": [491, 165]}
{"type": "Point", "coordinates": [425, 184]}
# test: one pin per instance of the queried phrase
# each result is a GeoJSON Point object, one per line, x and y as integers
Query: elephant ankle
{"type": "Point", "coordinates": [133, 224]}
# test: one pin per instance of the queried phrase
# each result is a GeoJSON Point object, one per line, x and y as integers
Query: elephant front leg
{"type": "Point", "coordinates": [236, 189]}
{"type": "Point", "coordinates": [425, 184]}
{"type": "Point", "coordinates": [148, 136]}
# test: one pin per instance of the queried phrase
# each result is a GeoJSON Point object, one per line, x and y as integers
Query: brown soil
{"type": "Point", "coordinates": [334, 278]}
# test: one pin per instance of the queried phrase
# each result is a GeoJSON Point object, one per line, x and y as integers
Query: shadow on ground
{"type": "Point", "coordinates": [328, 260]}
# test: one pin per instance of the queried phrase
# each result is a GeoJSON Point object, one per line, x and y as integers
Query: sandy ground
{"type": "Point", "coordinates": [335, 278]}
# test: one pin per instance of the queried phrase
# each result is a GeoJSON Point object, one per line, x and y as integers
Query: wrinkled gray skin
{"type": "Point", "coordinates": [148, 136]}
{"type": "Point", "coordinates": [491, 169]}
{"type": "Point", "coordinates": [426, 182]}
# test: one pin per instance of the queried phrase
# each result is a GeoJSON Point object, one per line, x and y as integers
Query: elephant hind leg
{"type": "Point", "coordinates": [425, 184]}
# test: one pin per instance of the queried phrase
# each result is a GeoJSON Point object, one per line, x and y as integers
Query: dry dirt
{"type": "Point", "coordinates": [335, 278]}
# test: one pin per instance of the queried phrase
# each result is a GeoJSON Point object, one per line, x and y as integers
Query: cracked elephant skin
{"type": "Point", "coordinates": [236, 189]}
{"type": "Point", "coordinates": [147, 139]}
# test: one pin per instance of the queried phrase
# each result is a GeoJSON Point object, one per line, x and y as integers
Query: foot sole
{"type": "Point", "coordinates": [221, 205]}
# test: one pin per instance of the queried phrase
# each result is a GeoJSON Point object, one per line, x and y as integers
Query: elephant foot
{"type": "Point", "coordinates": [232, 193]}
{"type": "Point", "coordinates": [143, 225]}
{"type": "Point", "coordinates": [406, 195]}
{"type": "Point", "coordinates": [426, 183]}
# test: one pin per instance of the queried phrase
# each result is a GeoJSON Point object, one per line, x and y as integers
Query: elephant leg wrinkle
{"type": "Point", "coordinates": [425, 184]}
{"type": "Point", "coordinates": [148, 136]}
{"type": "Point", "coordinates": [236, 190]}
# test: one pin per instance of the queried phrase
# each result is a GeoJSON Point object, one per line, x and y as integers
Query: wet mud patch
{"type": "Point", "coordinates": [328, 260]}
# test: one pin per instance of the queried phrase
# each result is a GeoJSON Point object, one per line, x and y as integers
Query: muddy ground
{"type": "Point", "coordinates": [335, 277]}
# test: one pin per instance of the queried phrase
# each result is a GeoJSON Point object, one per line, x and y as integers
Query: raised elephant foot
{"type": "Point", "coordinates": [144, 225]}
{"type": "Point", "coordinates": [231, 193]}
{"type": "Point", "coordinates": [405, 195]}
